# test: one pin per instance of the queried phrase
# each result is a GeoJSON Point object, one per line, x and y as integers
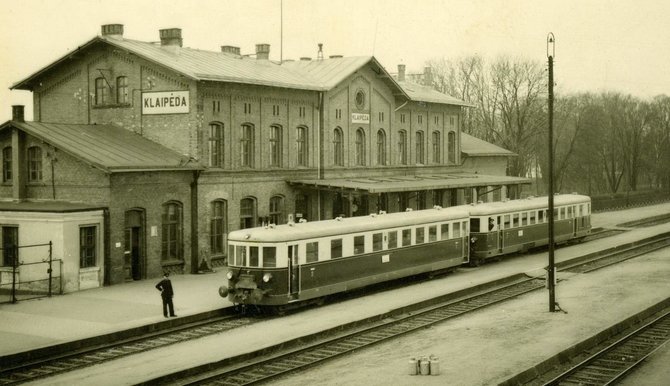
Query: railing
{"type": "Point", "coordinates": [33, 277]}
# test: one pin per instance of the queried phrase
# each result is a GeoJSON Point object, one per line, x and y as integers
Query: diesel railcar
{"type": "Point", "coordinates": [499, 228]}
{"type": "Point", "coordinates": [277, 265]}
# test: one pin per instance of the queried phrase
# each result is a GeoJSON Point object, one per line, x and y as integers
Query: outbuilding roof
{"type": "Point", "coordinates": [107, 147]}
{"type": "Point", "coordinates": [475, 147]}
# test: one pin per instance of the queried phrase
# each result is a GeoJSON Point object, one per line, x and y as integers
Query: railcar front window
{"type": "Point", "coordinates": [393, 239]}
{"type": "Point", "coordinates": [335, 248]}
{"type": "Point", "coordinates": [312, 252]}
{"type": "Point", "coordinates": [377, 242]}
{"type": "Point", "coordinates": [269, 257]}
{"type": "Point", "coordinates": [406, 237]}
{"type": "Point", "coordinates": [241, 255]}
{"type": "Point", "coordinates": [253, 256]}
{"type": "Point", "coordinates": [359, 245]}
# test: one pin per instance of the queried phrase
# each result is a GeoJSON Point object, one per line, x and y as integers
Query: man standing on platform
{"type": "Point", "coordinates": [165, 286]}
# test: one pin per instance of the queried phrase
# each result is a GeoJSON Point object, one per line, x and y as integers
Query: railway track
{"type": "Point", "coordinates": [304, 356]}
{"type": "Point", "coordinates": [89, 356]}
{"type": "Point", "coordinates": [615, 361]}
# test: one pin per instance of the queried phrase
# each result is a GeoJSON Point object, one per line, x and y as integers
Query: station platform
{"type": "Point", "coordinates": [40, 323]}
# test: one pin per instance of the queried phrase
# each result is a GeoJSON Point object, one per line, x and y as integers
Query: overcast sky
{"type": "Point", "coordinates": [618, 45]}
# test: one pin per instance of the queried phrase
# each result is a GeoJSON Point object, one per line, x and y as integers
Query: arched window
{"type": "Point", "coordinates": [100, 91]}
{"type": "Point", "coordinates": [381, 147]}
{"type": "Point", "coordinates": [360, 147]}
{"type": "Point", "coordinates": [171, 235]}
{"type": "Point", "coordinates": [247, 151]}
{"type": "Point", "coordinates": [302, 149]}
{"type": "Point", "coordinates": [451, 147]}
{"type": "Point", "coordinates": [277, 210]}
{"type": "Point", "coordinates": [276, 148]}
{"type": "Point", "coordinates": [7, 164]}
{"type": "Point", "coordinates": [420, 148]}
{"type": "Point", "coordinates": [338, 147]}
{"type": "Point", "coordinates": [437, 145]}
{"type": "Point", "coordinates": [34, 164]}
{"type": "Point", "coordinates": [216, 149]}
{"type": "Point", "coordinates": [122, 90]}
{"type": "Point", "coordinates": [402, 147]}
{"type": "Point", "coordinates": [218, 227]}
{"type": "Point", "coordinates": [247, 213]}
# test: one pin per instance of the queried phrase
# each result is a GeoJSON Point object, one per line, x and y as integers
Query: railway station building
{"type": "Point", "coordinates": [142, 156]}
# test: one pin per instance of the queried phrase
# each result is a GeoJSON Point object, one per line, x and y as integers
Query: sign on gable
{"type": "Point", "coordinates": [360, 118]}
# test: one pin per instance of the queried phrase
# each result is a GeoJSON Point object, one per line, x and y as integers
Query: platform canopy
{"type": "Point", "coordinates": [373, 185]}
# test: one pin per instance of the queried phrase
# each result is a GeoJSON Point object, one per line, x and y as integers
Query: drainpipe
{"type": "Point", "coordinates": [319, 162]}
{"type": "Point", "coordinates": [194, 222]}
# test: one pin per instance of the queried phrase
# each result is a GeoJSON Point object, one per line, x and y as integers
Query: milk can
{"type": "Point", "coordinates": [412, 367]}
{"type": "Point", "coordinates": [434, 365]}
{"type": "Point", "coordinates": [424, 364]}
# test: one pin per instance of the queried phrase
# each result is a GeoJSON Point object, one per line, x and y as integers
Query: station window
{"type": "Point", "coordinates": [312, 252]}
{"type": "Point", "coordinates": [393, 239]}
{"type": "Point", "coordinates": [432, 233]}
{"type": "Point", "coordinates": [377, 242]}
{"type": "Point", "coordinates": [87, 246]}
{"type": "Point", "coordinates": [445, 231]}
{"type": "Point", "coordinates": [253, 256]}
{"type": "Point", "coordinates": [406, 237]}
{"type": "Point", "coordinates": [10, 241]}
{"type": "Point", "coordinates": [420, 235]}
{"type": "Point", "coordinates": [269, 257]}
{"type": "Point", "coordinates": [335, 248]}
{"type": "Point", "coordinates": [359, 244]}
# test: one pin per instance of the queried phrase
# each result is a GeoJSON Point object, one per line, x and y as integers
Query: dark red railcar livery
{"type": "Point", "coordinates": [277, 265]}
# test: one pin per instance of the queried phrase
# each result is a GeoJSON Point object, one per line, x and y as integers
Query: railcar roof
{"type": "Point", "coordinates": [326, 228]}
{"type": "Point", "coordinates": [526, 204]}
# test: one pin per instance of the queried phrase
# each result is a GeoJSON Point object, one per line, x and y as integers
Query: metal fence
{"type": "Point", "coordinates": [34, 273]}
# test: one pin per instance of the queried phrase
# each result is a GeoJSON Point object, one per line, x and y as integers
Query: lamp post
{"type": "Point", "coordinates": [550, 269]}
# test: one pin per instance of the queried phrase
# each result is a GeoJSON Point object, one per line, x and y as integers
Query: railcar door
{"type": "Point", "coordinates": [294, 269]}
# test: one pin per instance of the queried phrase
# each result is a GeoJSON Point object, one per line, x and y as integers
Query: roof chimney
{"type": "Point", "coordinates": [262, 51]}
{"type": "Point", "coordinates": [230, 50]}
{"type": "Point", "coordinates": [17, 113]}
{"type": "Point", "coordinates": [112, 30]}
{"type": "Point", "coordinates": [305, 58]}
{"type": "Point", "coordinates": [335, 56]}
{"type": "Point", "coordinates": [401, 73]}
{"type": "Point", "coordinates": [171, 37]}
{"type": "Point", "coordinates": [427, 76]}
{"type": "Point", "coordinates": [319, 55]}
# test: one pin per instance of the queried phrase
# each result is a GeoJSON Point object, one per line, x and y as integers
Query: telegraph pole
{"type": "Point", "coordinates": [550, 213]}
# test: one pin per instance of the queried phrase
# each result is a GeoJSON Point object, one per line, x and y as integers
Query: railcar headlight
{"type": "Point", "coordinates": [229, 275]}
{"type": "Point", "coordinates": [473, 239]}
{"type": "Point", "coordinates": [267, 277]}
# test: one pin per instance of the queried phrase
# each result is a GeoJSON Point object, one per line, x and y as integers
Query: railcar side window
{"type": "Point", "coordinates": [406, 237]}
{"type": "Point", "coordinates": [474, 224]}
{"type": "Point", "coordinates": [457, 230]}
{"type": "Point", "coordinates": [563, 213]}
{"type": "Point", "coordinates": [253, 256]}
{"type": "Point", "coordinates": [241, 255]}
{"type": "Point", "coordinates": [570, 212]}
{"type": "Point", "coordinates": [432, 233]}
{"type": "Point", "coordinates": [269, 257]}
{"type": "Point", "coordinates": [420, 235]}
{"type": "Point", "coordinates": [531, 217]}
{"type": "Point", "coordinates": [524, 218]}
{"type": "Point", "coordinates": [507, 221]}
{"type": "Point", "coordinates": [515, 220]}
{"type": "Point", "coordinates": [393, 239]}
{"type": "Point", "coordinates": [312, 252]}
{"type": "Point", "coordinates": [465, 225]}
{"type": "Point", "coordinates": [335, 248]}
{"type": "Point", "coordinates": [377, 242]}
{"type": "Point", "coordinates": [556, 211]}
{"type": "Point", "coordinates": [445, 231]}
{"type": "Point", "coordinates": [541, 215]}
{"type": "Point", "coordinates": [359, 245]}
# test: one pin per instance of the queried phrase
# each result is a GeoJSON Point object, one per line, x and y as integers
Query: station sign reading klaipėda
{"type": "Point", "coordinates": [360, 118]}
{"type": "Point", "coordinates": [165, 102]}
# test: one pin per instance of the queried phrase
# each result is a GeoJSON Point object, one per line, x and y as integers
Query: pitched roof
{"type": "Point", "coordinates": [107, 147]}
{"type": "Point", "coordinates": [476, 147]}
{"type": "Point", "coordinates": [315, 75]}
